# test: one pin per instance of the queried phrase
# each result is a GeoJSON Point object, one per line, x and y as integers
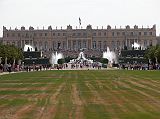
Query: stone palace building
{"type": "Point", "coordinates": [70, 41]}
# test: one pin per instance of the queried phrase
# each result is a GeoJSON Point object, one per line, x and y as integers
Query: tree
{"type": "Point", "coordinates": [157, 54]}
{"type": "Point", "coordinates": [61, 61]}
{"type": "Point", "coordinates": [104, 61]}
{"type": "Point", "coordinates": [11, 52]}
{"type": "Point", "coordinates": [153, 54]}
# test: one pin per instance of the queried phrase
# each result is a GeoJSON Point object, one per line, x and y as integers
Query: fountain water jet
{"type": "Point", "coordinates": [136, 46]}
{"type": "Point", "coordinates": [110, 55]}
{"type": "Point", "coordinates": [55, 57]}
{"type": "Point", "coordinates": [30, 47]}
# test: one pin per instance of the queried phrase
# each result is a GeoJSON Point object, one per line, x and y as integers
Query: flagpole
{"type": "Point", "coordinates": [79, 23]}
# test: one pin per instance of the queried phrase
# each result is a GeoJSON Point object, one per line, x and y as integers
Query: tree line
{"type": "Point", "coordinates": [153, 54]}
{"type": "Point", "coordinates": [11, 53]}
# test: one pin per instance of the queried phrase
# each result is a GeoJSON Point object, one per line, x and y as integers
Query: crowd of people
{"type": "Point", "coordinates": [16, 68]}
{"type": "Point", "coordinates": [96, 65]}
{"type": "Point", "coordinates": [140, 66]}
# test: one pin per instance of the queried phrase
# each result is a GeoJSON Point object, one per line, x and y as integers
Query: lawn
{"type": "Point", "coordinates": [99, 94]}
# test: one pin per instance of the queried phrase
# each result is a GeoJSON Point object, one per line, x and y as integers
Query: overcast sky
{"type": "Point", "coordinates": [39, 13]}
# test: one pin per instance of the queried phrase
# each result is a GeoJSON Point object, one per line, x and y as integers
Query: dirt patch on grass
{"type": "Point", "coordinates": [21, 89]}
{"type": "Point", "coordinates": [7, 112]}
{"type": "Point", "coordinates": [143, 86]}
{"type": "Point", "coordinates": [77, 102]}
{"type": "Point", "coordinates": [147, 99]}
{"type": "Point", "coordinates": [150, 83]}
{"type": "Point", "coordinates": [76, 95]}
{"type": "Point", "coordinates": [96, 97]}
{"type": "Point", "coordinates": [22, 111]}
{"type": "Point", "coordinates": [50, 110]}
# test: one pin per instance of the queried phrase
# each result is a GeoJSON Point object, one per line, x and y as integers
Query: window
{"type": "Point", "coordinates": [53, 34]}
{"type": "Point", "coordinates": [64, 44]}
{"type": "Point", "coordinates": [105, 34]}
{"type": "Point", "coordinates": [123, 33]}
{"type": "Point", "coordinates": [118, 33]}
{"type": "Point", "coordinates": [40, 45]}
{"type": "Point", "coordinates": [27, 36]}
{"type": "Point", "coordinates": [35, 43]}
{"type": "Point", "coordinates": [79, 45]}
{"type": "Point", "coordinates": [145, 43]}
{"type": "Point", "coordinates": [35, 34]}
{"type": "Point", "coordinates": [40, 34]}
{"type": "Point", "coordinates": [94, 34]}
{"type": "Point", "coordinates": [94, 44]}
{"type": "Point", "coordinates": [150, 42]}
{"type": "Point", "coordinates": [69, 44]}
{"type": "Point", "coordinates": [99, 33]}
{"type": "Point", "coordinates": [59, 45]}
{"type": "Point", "coordinates": [99, 44]}
{"type": "Point", "coordinates": [26, 41]}
{"type": "Point", "coordinates": [84, 44]}
{"type": "Point", "coordinates": [64, 34]}
{"type": "Point", "coordinates": [58, 34]}
{"type": "Point", "coordinates": [84, 34]}
{"type": "Point", "coordinates": [105, 45]}
{"type": "Point", "coordinates": [13, 35]}
{"type": "Point", "coordinates": [112, 33]}
{"type": "Point", "coordinates": [140, 33]}
{"type": "Point", "coordinates": [113, 44]}
{"type": "Point", "coordinates": [53, 45]}
{"type": "Point", "coordinates": [19, 34]}
{"type": "Point", "coordinates": [19, 44]}
{"type": "Point", "coordinates": [131, 33]}
{"type": "Point", "coordinates": [118, 44]}
{"type": "Point", "coordinates": [145, 33]}
{"type": "Point", "coordinates": [45, 45]}
{"type": "Point", "coordinates": [7, 34]}
{"type": "Point", "coordinates": [150, 33]}
{"type": "Point", "coordinates": [45, 34]}
{"type": "Point", "coordinates": [79, 34]}
{"type": "Point", "coordinates": [74, 45]}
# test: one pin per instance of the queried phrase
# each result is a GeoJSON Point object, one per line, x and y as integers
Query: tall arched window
{"type": "Point", "coordinates": [46, 45]}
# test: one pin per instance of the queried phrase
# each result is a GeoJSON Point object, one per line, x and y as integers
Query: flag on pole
{"type": "Point", "coordinates": [79, 21]}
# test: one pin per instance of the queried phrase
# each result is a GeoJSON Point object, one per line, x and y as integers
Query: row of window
{"type": "Point", "coordinates": [124, 33]}
{"type": "Point", "coordinates": [83, 44]}
{"type": "Point", "coordinates": [81, 34]}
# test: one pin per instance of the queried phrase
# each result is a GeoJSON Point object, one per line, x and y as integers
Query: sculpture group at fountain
{"type": "Point", "coordinates": [81, 59]}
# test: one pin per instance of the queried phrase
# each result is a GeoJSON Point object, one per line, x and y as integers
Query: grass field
{"type": "Point", "coordinates": [80, 95]}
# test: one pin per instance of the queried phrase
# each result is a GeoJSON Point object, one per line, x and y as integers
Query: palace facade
{"type": "Point", "coordinates": [69, 41]}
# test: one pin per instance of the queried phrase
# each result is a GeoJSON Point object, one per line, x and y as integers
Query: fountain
{"type": "Point", "coordinates": [81, 59]}
{"type": "Point", "coordinates": [136, 46]}
{"type": "Point", "coordinates": [55, 57]}
{"type": "Point", "coordinates": [28, 47]}
{"type": "Point", "coordinates": [111, 56]}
